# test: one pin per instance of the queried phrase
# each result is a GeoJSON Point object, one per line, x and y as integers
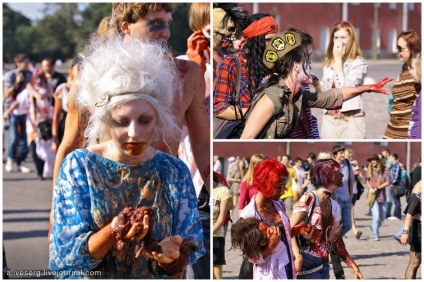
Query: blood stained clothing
{"type": "Point", "coordinates": [91, 190]}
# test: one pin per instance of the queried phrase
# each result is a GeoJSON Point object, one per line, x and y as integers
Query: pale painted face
{"type": "Point", "coordinates": [403, 51]}
{"type": "Point", "coordinates": [281, 186]}
{"type": "Point", "coordinates": [207, 31]}
{"type": "Point", "coordinates": [132, 127]}
{"type": "Point", "coordinates": [342, 36]}
{"type": "Point", "coordinates": [154, 26]}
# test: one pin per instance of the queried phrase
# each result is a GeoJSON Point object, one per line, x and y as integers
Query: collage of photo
{"type": "Point", "coordinates": [212, 140]}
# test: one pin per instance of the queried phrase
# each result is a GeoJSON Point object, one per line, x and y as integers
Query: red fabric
{"type": "Point", "coordinates": [265, 25]}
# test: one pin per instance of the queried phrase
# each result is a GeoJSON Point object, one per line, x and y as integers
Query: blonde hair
{"type": "Point", "coordinates": [199, 16]}
{"type": "Point", "coordinates": [114, 72]}
{"type": "Point", "coordinates": [379, 169]}
{"type": "Point", "coordinates": [324, 155]}
{"type": "Point", "coordinates": [254, 160]}
{"type": "Point", "coordinates": [352, 50]}
{"type": "Point", "coordinates": [133, 12]}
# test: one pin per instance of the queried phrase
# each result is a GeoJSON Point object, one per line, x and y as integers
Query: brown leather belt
{"type": "Point", "coordinates": [346, 115]}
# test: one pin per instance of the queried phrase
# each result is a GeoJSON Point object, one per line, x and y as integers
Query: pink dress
{"type": "Point", "coordinates": [246, 194]}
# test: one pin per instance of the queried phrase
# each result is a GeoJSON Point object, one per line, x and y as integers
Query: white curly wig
{"type": "Point", "coordinates": [114, 72]}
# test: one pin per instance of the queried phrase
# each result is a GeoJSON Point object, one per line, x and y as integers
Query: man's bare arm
{"type": "Point", "coordinates": [197, 121]}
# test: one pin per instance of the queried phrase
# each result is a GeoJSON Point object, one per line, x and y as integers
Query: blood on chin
{"type": "Point", "coordinates": [134, 149]}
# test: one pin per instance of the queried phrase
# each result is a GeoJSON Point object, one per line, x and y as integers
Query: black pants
{"type": "Point", "coordinates": [39, 163]}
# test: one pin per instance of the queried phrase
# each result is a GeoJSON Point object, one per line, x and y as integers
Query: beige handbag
{"type": "Point", "coordinates": [371, 196]}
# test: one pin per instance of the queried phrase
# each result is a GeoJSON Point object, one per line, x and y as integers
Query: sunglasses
{"type": "Point", "coordinates": [400, 49]}
{"type": "Point", "coordinates": [343, 24]}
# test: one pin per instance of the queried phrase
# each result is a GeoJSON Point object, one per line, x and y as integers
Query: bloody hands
{"type": "Point", "coordinates": [274, 236]}
{"type": "Point", "coordinates": [300, 229]}
{"type": "Point", "coordinates": [170, 250]}
{"type": "Point", "coordinates": [130, 224]}
{"type": "Point", "coordinates": [198, 49]}
{"type": "Point", "coordinates": [377, 87]}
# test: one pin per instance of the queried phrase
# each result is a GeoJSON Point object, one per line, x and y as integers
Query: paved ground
{"type": "Point", "coordinates": [384, 259]}
{"type": "Point", "coordinates": [26, 208]}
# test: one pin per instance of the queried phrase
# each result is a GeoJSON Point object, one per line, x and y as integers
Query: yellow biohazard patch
{"type": "Point", "coordinates": [290, 38]}
{"type": "Point", "coordinates": [271, 56]}
{"type": "Point", "coordinates": [278, 44]}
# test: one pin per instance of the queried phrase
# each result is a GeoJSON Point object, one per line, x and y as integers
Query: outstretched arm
{"type": "Point", "coordinates": [351, 92]}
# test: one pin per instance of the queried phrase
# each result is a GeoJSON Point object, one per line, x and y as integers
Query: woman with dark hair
{"type": "Point", "coordinates": [324, 216]}
{"type": "Point", "coordinates": [406, 90]}
{"type": "Point", "coordinates": [277, 105]}
{"type": "Point", "coordinates": [275, 259]}
{"type": "Point", "coordinates": [259, 28]}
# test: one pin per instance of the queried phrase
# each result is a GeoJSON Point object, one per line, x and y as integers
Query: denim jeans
{"type": "Point", "coordinates": [390, 199]}
{"type": "Point", "coordinates": [346, 209]}
{"type": "Point", "coordinates": [378, 216]}
{"type": "Point", "coordinates": [310, 262]}
{"type": "Point", "coordinates": [397, 212]}
{"type": "Point", "coordinates": [201, 268]}
{"type": "Point", "coordinates": [17, 147]}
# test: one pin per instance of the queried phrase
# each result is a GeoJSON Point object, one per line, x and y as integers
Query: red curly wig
{"type": "Point", "coordinates": [267, 175]}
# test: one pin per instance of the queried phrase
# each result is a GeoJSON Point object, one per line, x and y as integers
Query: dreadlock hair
{"type": "Point", "coordinates": [284, 65]}
{"type": "Point", "coordinates": [235, 12]}
{"type": "Point", "coordinates": [246, 236]}
{"type": "Point", "coordinates": [254, 48]}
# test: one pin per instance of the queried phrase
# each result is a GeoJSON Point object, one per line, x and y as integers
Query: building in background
{"type": "Point", "coordinates": [377, 24]}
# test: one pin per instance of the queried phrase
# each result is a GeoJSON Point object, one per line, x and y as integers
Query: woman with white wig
{"type": "Point", "coordinates": [123, 209]}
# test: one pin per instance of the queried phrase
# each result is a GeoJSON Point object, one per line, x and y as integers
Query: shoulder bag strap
{"type": "Point", "coordinates": [236, 90]}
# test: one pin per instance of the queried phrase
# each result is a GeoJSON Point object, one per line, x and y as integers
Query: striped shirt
{"type": "Point", "coordinates": [405, 92]}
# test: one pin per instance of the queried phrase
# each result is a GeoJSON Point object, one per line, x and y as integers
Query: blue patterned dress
{"type": "Point", "coordinates": [91, 190]}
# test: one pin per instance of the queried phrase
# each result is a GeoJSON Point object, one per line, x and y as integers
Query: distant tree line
{"type": "Point", "coordinates": [62, 31]}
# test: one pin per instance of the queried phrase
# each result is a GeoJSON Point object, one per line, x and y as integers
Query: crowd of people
{"type": "Point", "coordinates": [269, 95]}
{"type": "Point", "coordinates": [320, 191]}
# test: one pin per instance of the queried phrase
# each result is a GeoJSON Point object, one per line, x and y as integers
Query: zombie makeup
{"type": "Point", "coordinates": [157, 24]}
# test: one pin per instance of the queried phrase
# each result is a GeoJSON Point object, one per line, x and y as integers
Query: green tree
{"type": "Point", "coordinates": [180, 29]}
{"type": "Point", "coordinates": [57, 33]}
{"type": "Point", "coordinates": [91, 17]}
{"type": "Point", "coordinates": [12, 40]}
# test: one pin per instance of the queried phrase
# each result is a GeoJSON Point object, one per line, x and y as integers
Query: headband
{"type": "Point", "coordinates": [279, 46]}
{"type": "Point", "coordinates": [266, 25]}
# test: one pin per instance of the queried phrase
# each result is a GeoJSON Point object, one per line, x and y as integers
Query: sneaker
{"type": "Point", "coordinates": [393, 218]}
{"type": "Point", "coordinates": [376, 239]}
{"type": "Point", "coordinates": [9, 165]}
{"type": "Point", "coordinates": [24, 169]}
